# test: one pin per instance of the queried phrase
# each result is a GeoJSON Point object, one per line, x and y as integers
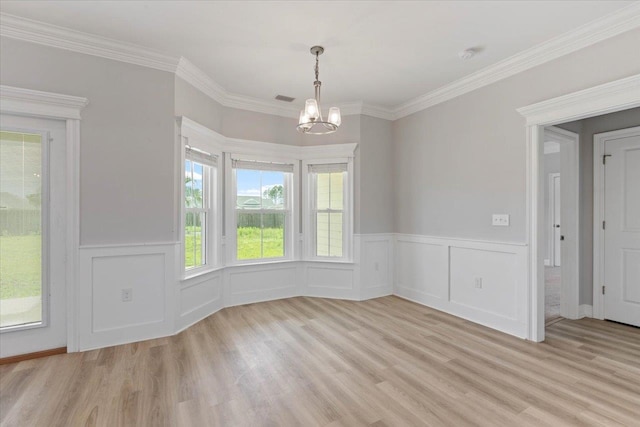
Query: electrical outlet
{"type": "Point", "coordinates": [479, 282]}
{"type": "Point", "coordinates": [500, 220]}
{"type": "Point", "coordinates": [127, 295]}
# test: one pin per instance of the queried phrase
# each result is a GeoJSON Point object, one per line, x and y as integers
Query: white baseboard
{"type": "Point", "coordinates": [585, 310]}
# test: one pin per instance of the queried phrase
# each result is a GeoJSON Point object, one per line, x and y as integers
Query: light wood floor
{"type": "Point", "coordinates": [307, 361]}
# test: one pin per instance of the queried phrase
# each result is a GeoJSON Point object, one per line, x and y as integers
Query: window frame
{"type": "Point", "coordinates": [291, 209]}
{"type": "Point", "coordinates": [201, 139]}
{"type": "Point", "coordinates": [308, 229]}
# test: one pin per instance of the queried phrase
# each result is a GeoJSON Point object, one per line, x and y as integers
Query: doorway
{"type": "Point", "coordinates": [33, 203]}
{"type": "Point", "coordinates": [598, 100]}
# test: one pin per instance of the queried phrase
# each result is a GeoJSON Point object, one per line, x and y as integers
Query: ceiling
{"type": "Point", "coordinates": [382, 53]}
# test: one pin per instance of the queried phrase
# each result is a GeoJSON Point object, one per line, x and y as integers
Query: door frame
{"type": "Point", "coordinates": [552, 213]}
{"type": "Point", "coordinates": [569, 212]}
{"type": "Point", "coordinates": [47, 105]}
{"type": "Point", "coordinates": [607, 98]}
{"type": "Point", "coordinates": [598, 214]}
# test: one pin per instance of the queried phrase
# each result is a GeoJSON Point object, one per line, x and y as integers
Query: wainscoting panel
{"type": "Point", "coordinates": [330, 280]}
{"type": "Point", "coordinates": [484, 282]}
{"type": "Point", "coordinates": [255, 283]}
{"type": "Point", "coordinates": [199, 298]}
{"type": "Point", "coordinates": [375, 265]}
{"type": "Point", "coordinates": [422, 270]}
{"type": "Point", "coordinates": [106, 274]}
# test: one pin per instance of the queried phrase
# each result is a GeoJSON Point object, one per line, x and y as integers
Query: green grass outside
{"type": "Point", "coordinates": [249, 243]}
{"type": "Point", "coordinates": [189, 241]}
{"type": "Point", "coordinates": [20, 266]}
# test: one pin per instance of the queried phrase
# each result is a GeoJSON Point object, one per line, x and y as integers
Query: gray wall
{"type": "Point", "coordinates": [587, 128]}
{"type": "Point", "coordinates": [458, 162]}
{"type": "Point", "coordinates": [376, 175]}
{"type": "Point", "coordinates": [551, 165]}
{"type": "Point", "coordinates": [126, 154]}
{"type": "Point", "coordinates": [197, 106]}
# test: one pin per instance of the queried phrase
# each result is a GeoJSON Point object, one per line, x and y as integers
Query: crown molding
{"type": "Point", "coordinates": [47, 104]}
{"type": "Point", "coordinates": [193, 75]}
{"type": "Point", "coordinates": [603, 28]}
{"type": "Point", "coordinates": [64, 38]}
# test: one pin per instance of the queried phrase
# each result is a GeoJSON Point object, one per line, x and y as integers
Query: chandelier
{"type": "Point", "coordinates": [311, 121]}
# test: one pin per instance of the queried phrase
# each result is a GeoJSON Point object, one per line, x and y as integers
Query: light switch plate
{"type": "Point", "coordinates": [500, 220]}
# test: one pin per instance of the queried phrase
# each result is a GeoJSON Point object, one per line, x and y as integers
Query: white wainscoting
{"type": "Point", "coordinates": [199, 297]}
{"type": "Point", "coordinates": [484, 282]}
{"type": "Point", "coordinates": [375, 261]}
{"type": "Point", "coordinates": [104, 319]}
{"type": "Point", "coordinates": [440, 273]}
{"type": "Point", "coordinates": [262, 282]}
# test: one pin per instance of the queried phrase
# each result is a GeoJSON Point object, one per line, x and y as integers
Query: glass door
{"type": "Point", "coordinates": [32, 253]}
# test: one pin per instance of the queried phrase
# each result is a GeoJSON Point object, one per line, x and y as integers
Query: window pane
{"type": "Point", "coordinates": [193, 185]}
{"type": "Point", "coordinates": [322, 234]}
{"type": "Point", "coordinates": [272, 190]}
{"type": "Point", "coordinates": [249, 236]}
{"type": "Point", "coordinates": [323, 188]}
{"type": "Point", "coordinates": [190, 241]}
{"type": "Point", "coordinates": [336, 190]}
{"type": "Point", "coordinates": [335, 234]}
{"type": "Point", "coordinates": [199, 240]}
{"type": "Point", "coordinates": [248, 189]}
{"type": "Point", "coordinates": [273, 235]}
{"type": "Point", "coordinates": [20, 228]}
{"type": "Point", "coordinates": [198, 190]}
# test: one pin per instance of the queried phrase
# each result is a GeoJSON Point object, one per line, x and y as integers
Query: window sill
{"type": "Point", "coordinates": [258, 263]}
{"type": "Point", "coordinates": [330, 261]}
{"type": "Point", "coordinates": [201, 272]}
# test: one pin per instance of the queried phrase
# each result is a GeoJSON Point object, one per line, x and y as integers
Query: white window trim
{"type": "Point", "coordinates": [197, 136]}
{"type": "Point", "coordinates": [291, 199]}
{"type": "Point", "coordinates": [348, 209]}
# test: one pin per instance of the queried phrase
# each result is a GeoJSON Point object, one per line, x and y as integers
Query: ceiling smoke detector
{"type": "Point", "coordinates": [467, 53]}
{"type": "Point", "coordinates": [284, 98]}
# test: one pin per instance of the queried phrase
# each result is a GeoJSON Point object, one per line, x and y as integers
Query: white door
{"type": "Point", "coordinates": [32, 235]}
{"type": "Point", "coordinates": [556, 221]}
{"type": "Point", "coordinates": [622, 229]}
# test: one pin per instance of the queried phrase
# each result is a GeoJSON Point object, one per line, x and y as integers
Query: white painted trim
{"type": "Point", "coordinates": [547, 262]}
{"type": "Point", "coordinates": [601, 29]}
{"type": "Point", "coordinates": [28, 102]}
{"type": "Point", "coordinates": [596, 31]}
{"type": "Point", "coordinates": [606, 98]}
{"type": "Point", "coordinates": [585, 310]}
{"type": "Point", "coordinates": [614, 96]}
{"type": "Point", "coordinates": [570, 215]}
{"type": "Point", "coordinates": [599, 279]}
{"type": "Point", "coordinates": [19, 101]}
{"type": "Point", "coordinates": [551, 226]}
{"type": "Point", "coordinates": [551, 147]}
{"type": "Point", "coordinates": [25, 29]}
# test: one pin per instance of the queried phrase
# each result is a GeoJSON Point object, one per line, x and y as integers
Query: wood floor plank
{"type": "Point", "coordinates": [320, 362]}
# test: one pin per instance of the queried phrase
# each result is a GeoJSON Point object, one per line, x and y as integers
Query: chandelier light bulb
{"type": "Point", "coordinates": [334, 116]}
{"type": "Point", "coordinates": [311, 109]}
